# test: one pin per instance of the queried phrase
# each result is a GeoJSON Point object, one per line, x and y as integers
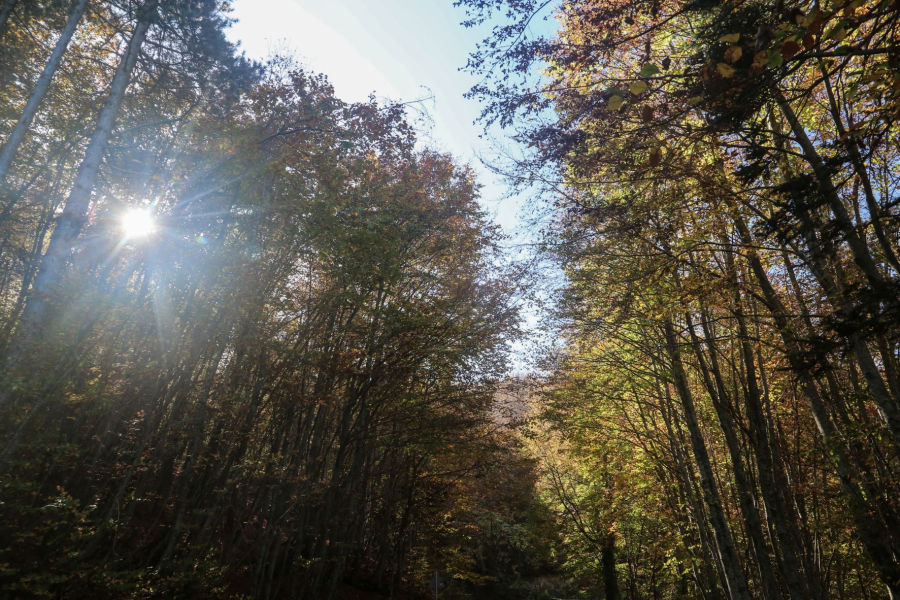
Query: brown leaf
{"type": "Point", "coordinates": [646, 113]}
{"type": "Point", "coordinates": [655, 157]}
{"type": "Point", "coordinates": [808, 41]}
{"type": "Point", "coordinates": [815, 26]}
{"type": "Point", "coordinates": [761, 59]}
{"type": "Point", "coordinates": [666, 62]}
{"type": "Point", "coordinates": [789, 49]}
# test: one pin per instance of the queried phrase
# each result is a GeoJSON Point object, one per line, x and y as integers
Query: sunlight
{"type": "Point", "coordinates": [138, 223]}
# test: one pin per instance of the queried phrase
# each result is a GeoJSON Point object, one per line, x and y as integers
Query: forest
{"type": "Point", "coordinates": [259, 342]}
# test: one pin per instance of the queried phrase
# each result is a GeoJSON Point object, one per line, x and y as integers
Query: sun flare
{"type": "Point", "coordinates": [138, 223]}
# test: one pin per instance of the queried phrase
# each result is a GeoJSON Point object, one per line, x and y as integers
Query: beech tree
{"type": "Point", "coordinates": [252, 332]}
{"type": "Point", "coordinates": [723, 237]}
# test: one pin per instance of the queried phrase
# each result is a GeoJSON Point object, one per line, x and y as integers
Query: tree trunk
{"type": "Point", "coordinates": [62, 240]}
{"type": "Point", "coordinates": [5, 13]}
{"type": "Point", "coordinates": [859, 167]}
{"type": "Point", "coordinates": [11, 147]}
{"type": "Point", "coordinates": [752, 520]}
{"type": "Point", "coordinates": [869, 528]}
{"type": "Point", "coordinates": [734, 575]}
{"type": "Point", "coordinates": [608, 563]}
{"type": "Point", "coordinates": [858, 248]}
{"type": "Point", "coordinates": [770, 477]}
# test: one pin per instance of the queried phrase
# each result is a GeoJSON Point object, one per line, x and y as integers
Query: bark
{"type": "Point", "coordinates": [608, 564]}
{"type": "Point", "coordinates": [887, 408]}
{"type": "Point", "coordinates": [11, 147]}
{"type": "Point", "coordinates": [832, 285]}
{"type": "Point", "coordinates": [859, 167]}
{"type": "Point", "coordinates": [858, 247]}
{"type": "Point", "coordinates": [704, 572]}
{"type": "Point", "coordinates": [770, 477]}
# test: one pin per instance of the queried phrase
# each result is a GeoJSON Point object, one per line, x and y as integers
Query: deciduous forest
{"type": "Point", "coordinates": [258, 342]}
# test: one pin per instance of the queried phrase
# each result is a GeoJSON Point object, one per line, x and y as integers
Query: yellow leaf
{"type": "Point", "coordinates": [695, 100]}
{"type": "Point", "coordinates": [725, 70]}
{"type": "Point", "coordinates": [615, 103]}
{"type": "Point", "coordinates": [733, 54]}
{"type": "Point", "coordinates": [731, 38]}
{"type": "Point", "coordinates": [637, 87]}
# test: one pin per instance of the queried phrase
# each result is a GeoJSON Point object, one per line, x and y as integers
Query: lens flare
{"type": "Point", "coordinates": [138, 223]}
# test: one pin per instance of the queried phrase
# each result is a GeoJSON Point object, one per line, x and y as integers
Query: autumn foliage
{"type": "Point", "coordinates": [722, 179]}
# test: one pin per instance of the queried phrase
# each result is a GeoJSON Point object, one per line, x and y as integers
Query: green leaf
{"type": "Point", "coordinates": [649, 70]}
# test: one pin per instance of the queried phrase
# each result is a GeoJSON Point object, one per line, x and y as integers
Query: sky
{"type": "Point", "coordinates": [397, 49]}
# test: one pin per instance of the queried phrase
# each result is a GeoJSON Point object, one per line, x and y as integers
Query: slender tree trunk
{"type": "Point", "coordinates": [752, 520]}
{"type": "Point", "coordinates": [734, 575]}
{"type": "Point", "coordinates": [869, 528]}
{"type": "Point", "coordinates": [62, 240]}
{"type": "Point", "coordinates": [11, 147]}
{"type": "Point", "coordinates": [857, 161]}
{"type": "Point", "coordinates": [769, 479]}
{"type": "Point", "coordinates": [858, 248]}
{"type": "Point", "coordinates": [5, 13]}
{"type": "Point", "coordinates": [832, 284]}
{"type": "Point", "coordinates": [682, 505]}
{"type": "Point", "coordinates": [887, 407]}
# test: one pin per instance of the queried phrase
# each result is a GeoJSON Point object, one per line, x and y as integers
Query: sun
{"type": "Point", "coordinates": [138, 223]}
